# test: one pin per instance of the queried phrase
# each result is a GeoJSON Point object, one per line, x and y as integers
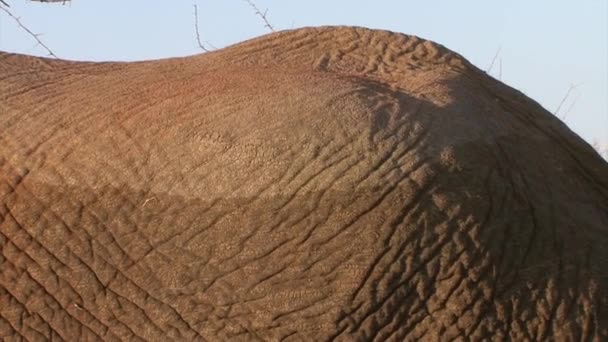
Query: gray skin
{"type": "Point", "coordinates": [315, 184]}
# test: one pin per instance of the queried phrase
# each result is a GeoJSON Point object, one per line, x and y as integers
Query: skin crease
{"type": "Point", "coordinates": [331, 183]}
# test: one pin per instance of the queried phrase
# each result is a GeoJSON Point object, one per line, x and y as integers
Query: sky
{"type": "Point", "coordinates": [544, 48]}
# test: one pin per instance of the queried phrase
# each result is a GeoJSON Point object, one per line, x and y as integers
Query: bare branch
{"type": "Point", "coordinates": [40, 42]}
{"type": "Point", "coordinates": [198, 36]}
{"type": "Point", "coordinates": [62, 1]}
{"type": "Point", "coordinates": [260, 14]}
{"type": "Point", "coordinates": [500, 68]}
{"type": "Point", "coordinates": [569, 108]}
{"type": "Point", "coordinates": [489, 69]}
{"type": "Point", "coordinates": [559, 107]}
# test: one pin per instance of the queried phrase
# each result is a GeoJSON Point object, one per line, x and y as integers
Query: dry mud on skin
{"type": "Point", "coordinates": [315, 184]}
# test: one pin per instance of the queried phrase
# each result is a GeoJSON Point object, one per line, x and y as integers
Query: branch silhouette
{"type": "Point", "coordinates": [489, 69]}
{"type": "Point", "coordinates": [559, 107]}
{"type": "Point", "coordinates": [22, 26]}
{"type": "Point", "coordinates": [260, 14]}
{"type": "Point", "coordinates": [198, 36]}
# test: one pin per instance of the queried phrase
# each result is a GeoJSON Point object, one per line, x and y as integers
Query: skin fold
{"type": "Point", "coordinates": [330, 183]}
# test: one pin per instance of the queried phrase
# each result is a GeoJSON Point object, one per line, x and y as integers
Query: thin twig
{"type": "Point", "coordinates": [29, 31]}
{"type": "Point", "coordinates": [500, 69]}
{"type": "Point", "coordinates": [569, 108]}
{"type": "Point", "coordinates": [261, 15]}
{"type": "Point", "coordinates": [570, 89]}
{"type": "Point", "coordinates": [198, 36]}
{"type": "Point", "coordinates": [62, 1]}
{"type": "Point", "coordinates": [489, 69]}
{"type": "Point", "coordinates": [4, 3]}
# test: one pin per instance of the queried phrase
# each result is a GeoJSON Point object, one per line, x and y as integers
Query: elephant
{"type": "Point", "coordinates": [321, 183]}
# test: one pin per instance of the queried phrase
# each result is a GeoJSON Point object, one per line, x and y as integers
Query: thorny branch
{"type": "Point", "coordinates": [260, 14]}
{"type": "Point", "coordinates": [198, 36]}
{"type": "Point", "coordinates": [40, 42]}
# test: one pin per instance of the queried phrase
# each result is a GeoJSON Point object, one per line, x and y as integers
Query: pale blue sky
{"type": "Point", "coordinates": [545, 45]}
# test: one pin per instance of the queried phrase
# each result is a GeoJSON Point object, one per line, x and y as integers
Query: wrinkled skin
{"type": "Point", "coordinates": [316, 184]}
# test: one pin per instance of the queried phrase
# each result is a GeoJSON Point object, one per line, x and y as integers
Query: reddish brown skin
{"type": "Point", "coordinates": [330, 183]}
